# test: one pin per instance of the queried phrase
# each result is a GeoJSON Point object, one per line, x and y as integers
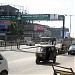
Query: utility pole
{"type": "Point", "coordinates": [70, 25]}
{"type": "Point", "coordinates": [63, 26]}
{"type": "Point", "coordinates": [70, 22]}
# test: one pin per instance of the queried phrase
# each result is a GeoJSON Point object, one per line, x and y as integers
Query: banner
{"type": "Point", "coordinates": [37, 27]}
{"type": "Point", "coordinates": [5, 22]}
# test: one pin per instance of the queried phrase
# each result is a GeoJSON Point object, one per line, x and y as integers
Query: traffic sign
{"type": "Point", "coordinates": [8, 18]}
{"type": "Point", "coordinates": [27, 17]}
{"type": "Point", "coordinates": [61, 17]}
{"type": "Point", "coordinates": [33, 17]}
{"type": "Point", "coordinates": [53, 17]}
{"type": "Point", "coordinates": [36, 17]}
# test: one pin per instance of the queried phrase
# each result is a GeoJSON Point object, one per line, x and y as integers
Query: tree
{"type": "Point", "coordinates": [13, 28]}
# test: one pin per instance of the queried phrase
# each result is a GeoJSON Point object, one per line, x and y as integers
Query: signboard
{"type": "Point", "coordinates": [56, 17]}
{"type": "Point", "coordinates": [36, 17]}
{"type": "Point", "coordinates": [53, 17]}
{"type": "Point", "coordinates": [27, 17]}
{"type": "Point", "coordinates": [39, 27]}
{"type": "Point", "coordinates": [61, 17]}
{"type": "Point", "coordinates": [3, 26]}
{"type": "Point", "coordinates": [8, 18]}
{"type": "Point", "coordinates": [5, 22]}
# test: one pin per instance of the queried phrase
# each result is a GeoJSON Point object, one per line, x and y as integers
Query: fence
{"type": "Point", "coordinates": [11, 45]}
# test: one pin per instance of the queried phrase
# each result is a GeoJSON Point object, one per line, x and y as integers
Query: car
{"type": "Point", "coordinates": [71, 50]}
{"type": "Point", "coordinates": [30, 43]}
{"type": "Point", "coordinates": [3, 65]}
{"type": "Point", "coordinates": [44, 53]}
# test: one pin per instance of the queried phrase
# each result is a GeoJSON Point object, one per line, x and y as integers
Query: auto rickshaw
{"type": "Point", "coordinates": [44, 53]}
{"type": "Point", "coordinates": [59, 70]}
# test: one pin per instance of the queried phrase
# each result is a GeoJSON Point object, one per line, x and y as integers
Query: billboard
{"type": "Point", "coordinates": [39, 27]}
{"type": "Point", "coordinates": [5, 22]}
{"type": "Point", "coordinates": [3, 26]}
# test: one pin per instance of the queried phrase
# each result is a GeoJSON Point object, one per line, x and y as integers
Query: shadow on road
{"type": "Point", "coordinates": [49, 63]}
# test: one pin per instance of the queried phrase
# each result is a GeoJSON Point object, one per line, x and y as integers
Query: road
{"type": "Point", "coordinates": [22, 62]}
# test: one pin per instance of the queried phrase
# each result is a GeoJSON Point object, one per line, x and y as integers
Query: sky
{"type": "Point", "coordinates": [60, 7]}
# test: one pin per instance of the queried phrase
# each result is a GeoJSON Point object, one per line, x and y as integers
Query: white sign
{"type": "Point", "coordinates": [53, 17]}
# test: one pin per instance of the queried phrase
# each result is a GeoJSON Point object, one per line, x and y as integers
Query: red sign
{"type": "Point", "coordinates": [39, 27]}
{"type": "Point", "coordinates": [5, 22]}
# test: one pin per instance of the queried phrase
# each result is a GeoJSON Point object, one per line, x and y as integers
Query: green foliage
{"type": "Point", "coordinates": [14, 29]}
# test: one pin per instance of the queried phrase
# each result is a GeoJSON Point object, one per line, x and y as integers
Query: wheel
{"type": "Point", "coordinates": [54, 60]}
{"type": "Point", "coordinates": [4, 73]}
{"type": "Point", "coordinates": [68, 53]}
{"type": "Point", "coordinates": [58, 51]}
{"type": "Point", "coordinates": [37, 61]}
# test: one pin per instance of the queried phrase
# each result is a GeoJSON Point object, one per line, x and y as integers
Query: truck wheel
{"type": "Point", "coordinates": [37, 61]}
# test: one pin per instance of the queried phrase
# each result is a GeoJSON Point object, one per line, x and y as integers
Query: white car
{"type": "Point", "coordinates": [3, 65]}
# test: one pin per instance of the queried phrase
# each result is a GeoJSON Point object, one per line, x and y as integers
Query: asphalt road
{"type": "Point", "coordinates": [22, 62]}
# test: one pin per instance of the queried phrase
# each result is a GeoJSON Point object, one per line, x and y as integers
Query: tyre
{"type": "Point", "coordinates": [68, 53]}
{"type": "Point", "coordinates": [54, 60]}
{"type": "Point", "coordinates": [4, 73]}
{"type": "Point", "coordinates": [37, 61]}
{"type": "Point", "coordinates": [58, 51]}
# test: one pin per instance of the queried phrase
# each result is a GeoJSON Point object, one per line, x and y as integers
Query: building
{"type": "Point", "coordinates": [34, 30]}
{"type": "Point", "coordinates": [8, 10]}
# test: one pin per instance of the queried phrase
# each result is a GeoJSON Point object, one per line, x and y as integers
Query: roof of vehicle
{"type": "Point", "coordinates": [46, 45]}
{"type": "Point", "coordinates": [72, 47]}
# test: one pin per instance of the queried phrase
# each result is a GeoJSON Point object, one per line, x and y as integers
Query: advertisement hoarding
{"type": "Point", "coordinates": [40, 28]}
{"type": "Point", "coordinates": [5, 22]}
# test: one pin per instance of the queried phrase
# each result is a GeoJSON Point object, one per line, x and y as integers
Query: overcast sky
{"type": "Point", "coordinates": [48, 7]}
